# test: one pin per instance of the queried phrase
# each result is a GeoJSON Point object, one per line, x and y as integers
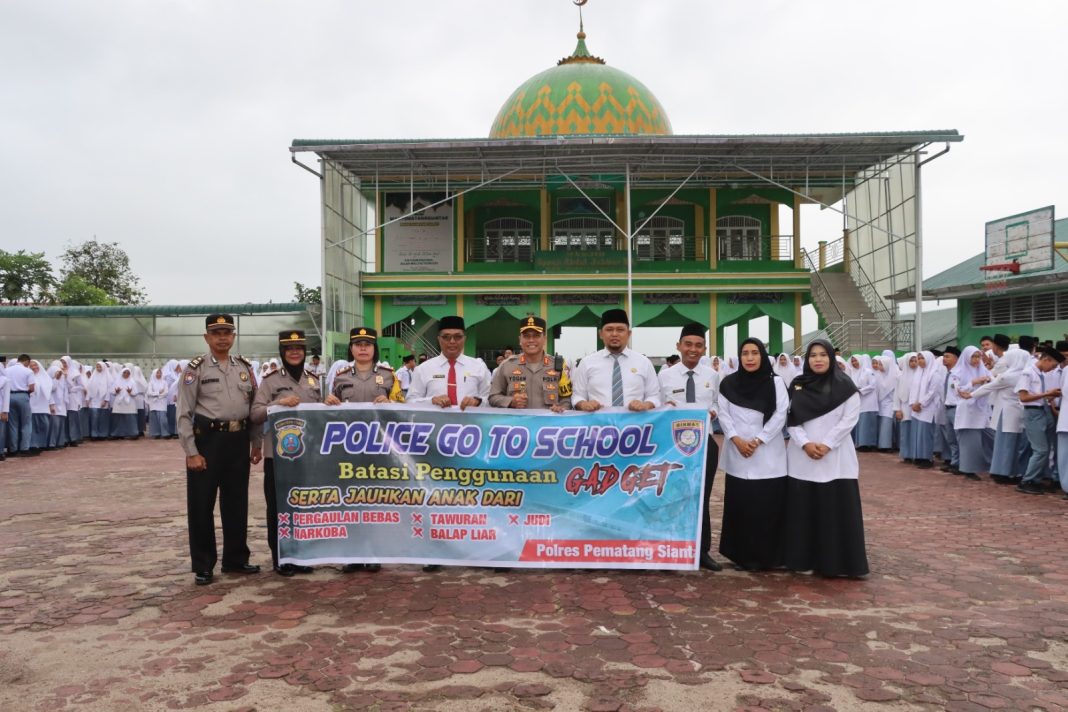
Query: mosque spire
{"type": "Point", "coordinates": [581, 53]}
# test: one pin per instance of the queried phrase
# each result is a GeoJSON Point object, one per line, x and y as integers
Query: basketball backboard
{"type": "Point", "coordinates": [1026, 238]}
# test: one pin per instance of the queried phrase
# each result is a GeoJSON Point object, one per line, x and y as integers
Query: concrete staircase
{"type": "Point", "coordinates": [851, 324]}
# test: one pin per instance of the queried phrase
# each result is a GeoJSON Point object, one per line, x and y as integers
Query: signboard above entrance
{"type": "Point", "coordinates": [422, 242]}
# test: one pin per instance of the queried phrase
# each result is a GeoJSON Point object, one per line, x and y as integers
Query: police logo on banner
{"type": "Point", "coordinates": [289, 438]}
{"type": "Point", "coordinates": [688, 435]}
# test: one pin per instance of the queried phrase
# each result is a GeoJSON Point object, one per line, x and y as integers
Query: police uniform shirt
{"type": "Point", "coordinates": [706, 386]}
{"type": "Point", "coordinates": [20, 378]}
{"type": "Point", "coordinates": [544, 385]}
{"type": "Point", "coordinates": [430, 379]}
{"type": "Point", "coordinates": [592, 380]}
{"type": "Point", "coordinates": [351, 386]}
{"type": "Point", "coordinates": [277, 385]}
{"type": "Point", "coordinates": [217, 393]}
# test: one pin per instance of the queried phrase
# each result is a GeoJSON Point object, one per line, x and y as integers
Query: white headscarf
{"type": "Point", "coordinates": [885, 380]}
{"type": "Point", "coordinates": [158, 386]}
{"type": "Point", "coordinates": [904, 381]}
{"type": "Point", "coordinates": [332, 373]}
{"type": "Point", "coordinates": [169, 373]}
{"type": "Point", "coordinates": [922, 382]}
{"type": "Point", "coordinates": [964, 372]}
{"type": "Point", "coordinates": [786, 371]}
{"type": "Point", "coordinates": [99, 382]}
{"type": "Point", "coordinates": [42, 393]}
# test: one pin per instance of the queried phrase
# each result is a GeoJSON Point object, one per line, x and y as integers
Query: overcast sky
{"type": "Point", "coordinates": [164, 126]}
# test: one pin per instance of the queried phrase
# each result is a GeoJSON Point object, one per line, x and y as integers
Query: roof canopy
{"type": "Point", "coordinates": [715, 160]}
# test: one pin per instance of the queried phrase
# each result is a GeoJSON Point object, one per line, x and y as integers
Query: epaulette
{"type": "Point", "coordinates": [340, 371]}
{"type": "Point", "coordinates": [313, 374]}
{"type": "Point", "coordinates": [385, 366]}
{"type": "Point", "coordinates": [387, 370]}
{"type": "Point", "coordinates": [195, 363]}
{"type": "Point", "coordinates": [244, 360]}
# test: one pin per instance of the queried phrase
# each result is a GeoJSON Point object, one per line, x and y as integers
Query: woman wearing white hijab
{"type": "Point", "coordinates": [784, 368]}
{"type": "Point", "coordinates": [156, 399]}
{"type": "Point", "coordinates": [866, 433]}
{"type": "Point", "coordinates": [84, 420]}
{"type": "Point", "coordinates": [41, 407]}
{"type": "Point", "coordinates": [902, 406]}
{"type": "Point", "coordinates": [884, 368]}
{"type": "Point", "coordinates": [57, 433]}
{"type": "Point", "coordinates": [172, 372]}
{"type": "Point", "coordinates": [99, 394]}
{"type": "Point", "coordinates": [972, 419]}
{"type": "Point", "coordinates": [124, 394]}
{"type": "Point", "coordinates": [142, 406]}
{"type": "Point", "coordinates": [1007, 461]}
{"type": "Point", "coordinates": [75, 396]}
{"type": "Point", "coordinates": [925, 399]}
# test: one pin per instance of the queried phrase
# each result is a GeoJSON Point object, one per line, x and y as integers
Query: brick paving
{"type": "Point", "coordinates": [966, 609]}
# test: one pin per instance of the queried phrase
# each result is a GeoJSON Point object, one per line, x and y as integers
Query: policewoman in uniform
{"type": "Point", "coordinates": [365, 382]}
{"type": "Point", "coordinates": [691, 384]}
{"type": "Point", "coordinates": [290, 385]}
{"type": "Point", "coordinates": [532, 378]}
{"type": "Point", "coordinates": [214, 402]}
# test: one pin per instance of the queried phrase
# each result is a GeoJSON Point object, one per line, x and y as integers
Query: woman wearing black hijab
{"type": "Point", "coordinates": [752, 412]}
{"type": "Point", "coordinates": [824, 529]}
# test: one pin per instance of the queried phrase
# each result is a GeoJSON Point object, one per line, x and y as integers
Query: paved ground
{"type": "Point", "coordinates": [966, 609]}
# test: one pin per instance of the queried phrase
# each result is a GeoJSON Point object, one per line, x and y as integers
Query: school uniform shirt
{"type": "Point", "coordinates": [431, 377]}
{"type": "Point", "coordinates": [404, 377]}
{"type": "Point", "coordinates": [706, 387]}
{"type": "Point", "coordinates": [925, 390]}
{"type": "Point", "coordinates": [41, 398]}
{"type": "Point", "coordinates": [769, 460]}
{"type": "Point", "coordinates": [59, 392]}
{"type": "Point", "coordinates": [5, 392]}
{"type": "Point", "coordinates": [1034, 381]}
{"type": "Point", "coordinates": [156, 397]}
{"type": "Point", "coordinates": [867, 385]}
{"type": "Point", "coordinates": [1006, 405]}
{"type": "Point", "coordinates": [1062, 416]}
{"type": "Point", "coordinates": [833, 429]}
{"type": "Point", "coordinates": [125, 401]}
{"type": "Point", "coordinates": [592, 380]}
{"type": "Point", "coordinates": [904, 386]}
{"type": "Point", "coordinates": [20, 378]}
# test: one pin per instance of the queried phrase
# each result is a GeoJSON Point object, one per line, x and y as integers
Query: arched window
{"type": "Point", "coordinates": [738, 237]}
{"type": "Point", "coordinates": [661, 239]}
{"type": "Point", "coordinates": [508, 240]}
{"type": "Point", "coordinates": [583, 234]}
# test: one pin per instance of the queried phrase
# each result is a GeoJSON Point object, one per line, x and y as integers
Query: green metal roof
{"type": "Point", "coordinates": [967, 280]}
{"type": "Point", "coordinates": [34, 312]}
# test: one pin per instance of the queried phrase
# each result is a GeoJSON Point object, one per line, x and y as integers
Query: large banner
{"type": "Point", "coordinates": [422, 242]}
{"type": "Point", "coordinates": [489, 487]}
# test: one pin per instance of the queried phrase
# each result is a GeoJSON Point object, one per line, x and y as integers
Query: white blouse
{"type": "Point", "coordinates": [769, 460]}
{"type": "Point", "coordinates": [833, 429]}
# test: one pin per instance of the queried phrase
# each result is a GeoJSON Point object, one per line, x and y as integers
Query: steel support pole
{"type": "Point", "coordinates": [630, 254]}
{"type": "Point", "coordinates": [917, 324]}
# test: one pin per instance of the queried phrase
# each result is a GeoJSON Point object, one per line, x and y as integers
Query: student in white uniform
{"type": "Point", "coordinates": [57, 431]}
{"type": "Point", "coordinates": [924, 401]}
{"type": "Point", "coordinates": [156, 400]}
{"type": "Point", "coordinates": [451, 378]}
{"type": "Point", "coordinates": [753, 405]}
{"type": "Point", "coordinates": [615, 376]}
{"type": "Point", "coordinates": [689, 384]}
{"type": "Point", "coordinates": [1006, 418]}
{"type": "Point", "coordinates": [41, 407]}
{"type": "Point", "coordinates": [866, 434]}
{"type": "Point", "coordinates": [5, 406]}
{"type": "Point", "coordinates": [885, 370]}
{"type": "Point", "coordinates": [824, 529]}
{"type": "Point", "coordinates": [1035, 388]}
{"type": "Point", "coordinates": [1062, 423]}
{"type": "Point", "coordinates": [124, 392]}
{"type": "Point", "coordinates": [971, 418]}
{"type": "Point", "coordinates": [950, 399]}
{"type": "Point", "coordinates": [902, 406]}
{"type": "Point", "coordinates": [21, 385]}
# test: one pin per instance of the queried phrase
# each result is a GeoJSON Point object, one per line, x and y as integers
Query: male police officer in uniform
{"type": "Point", "coordinates": [214, 402]}
{"type": "Point", "coordinates": [532, 379]}
{"type": "Point", "coordinates": [290, 385]}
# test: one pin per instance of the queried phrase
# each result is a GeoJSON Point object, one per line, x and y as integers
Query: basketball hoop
{"type": "Point", "coordinates": [996, 275]}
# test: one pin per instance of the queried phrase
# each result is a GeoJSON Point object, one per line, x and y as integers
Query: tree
{"type": "Point", "coordinates": [105, 266]}
{"type": "Point", "coordinates": [25, 277]}
{"type": "Point", "coordinates": [76, 292]}
{"type": "Point", "coordinates": [307, 295]}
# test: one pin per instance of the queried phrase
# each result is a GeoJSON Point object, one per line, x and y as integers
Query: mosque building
{"type": "Point", "coordinates": [582, 199]}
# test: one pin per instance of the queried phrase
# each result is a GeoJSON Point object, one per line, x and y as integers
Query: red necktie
{"type": "Point", "coordinates": [451, 383]}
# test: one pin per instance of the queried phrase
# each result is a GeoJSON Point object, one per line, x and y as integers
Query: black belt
{"type": "Point", "coordinates": [14, 392]}
{"type": "Point", "coordinates": [221, 426]}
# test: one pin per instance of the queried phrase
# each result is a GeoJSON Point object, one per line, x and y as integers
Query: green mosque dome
{"type": "Point", "coordinates": [581, 95]}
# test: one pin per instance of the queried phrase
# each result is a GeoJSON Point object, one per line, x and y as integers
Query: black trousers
{"type": "Point", "coordinates": [711, 463]}
{"type": "Point", "coordinates": [272, 508]}
{"type": "Point", "coordinates": [227, 476]}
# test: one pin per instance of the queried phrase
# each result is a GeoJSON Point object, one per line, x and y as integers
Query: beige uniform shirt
{"type": "Point", "coordinates": [544, 385]}
{"type": "Point", "coordinates": [275, 386]}
{"type": "Point", "coordinates": [351, 386]}
{"type": "Point", "coordinates": [216, 390]}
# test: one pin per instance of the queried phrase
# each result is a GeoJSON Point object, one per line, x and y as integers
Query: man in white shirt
{"type": "Point", "coordinates": [1037, 386]}
{"type": "Point", "coordinates": [22, 383]}
{"type": "Point", "coordinates": [615, 376]}
{"type": "Point", "coordinates": [451, 378]}
{"type": "Point", "coordinates": [5, 406]}
{"type": "Point", "coordinates": [951, 452]}
{"type": "Point", "coordinates": [1062, 420]}
{"type": "Point", "coordinates": [689, 384]}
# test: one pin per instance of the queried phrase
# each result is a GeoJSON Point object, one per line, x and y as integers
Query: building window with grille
{"type": "Point", "coordinates": [738, 237]}
{"type": "Point", "coordinates": [583, 234]}
{"type": "Point", "coordinates": [661, 239]}
{"type": "Point", "coordinates": [508, 240]}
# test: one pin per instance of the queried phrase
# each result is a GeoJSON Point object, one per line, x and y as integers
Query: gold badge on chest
{"type": "Point", "coordinates": [311, 381]}
{"type": "Point", "coordinates": [380, 381]}
{"type": "Point", "coordinates": [244, 376]}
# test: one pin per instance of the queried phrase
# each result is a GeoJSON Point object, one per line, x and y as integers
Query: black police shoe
{"type": "Point", "coordinates": [241, 569]}
{"type": "Point", "coordinates": [431, 568]}
{"type": "Point", "coordinates": [351, 568]}
{"type": "Point", "coordinates": [707, 562]}
{"type": "Point", "coordinates": [203, 578]}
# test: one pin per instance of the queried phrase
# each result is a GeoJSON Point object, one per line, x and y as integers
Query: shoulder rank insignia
{"type": "Point", "coordinates": [343, 370]}
{"type": "Point", "coordinates": [517, 372]}
{"type": "Point", "coordinates": [195, 363]}
{"type": "Point", "coordinates": [244, 360]}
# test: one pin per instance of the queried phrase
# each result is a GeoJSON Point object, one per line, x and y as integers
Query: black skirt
{"type": "Point", "coordinates": [824, 529]}
{"type": "Point", "coordinates": [752, 522]}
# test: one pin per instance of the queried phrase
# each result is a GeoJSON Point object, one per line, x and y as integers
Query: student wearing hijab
{"type": "Point", "coordinates": [142, 405]}
{"type": "Point", "coordinates": [5, 406]}
{"type": "Point", "coordinates": [99, 399]}
{"type": "Point", "coordinates": [156, 400]}
{"type": "Point", "coordinates": [784, 368]}
{"type": "Point", "coordinates": [292, 384]}
{"type": "Point", "coordinates": [971, 417]}
{"type": "Point", "coordinates": [41, 408]}
{"type": "Point", "coordinates": [885, 383]}
{"type": "Point", "coordinates": [1008, 457]}
{"type": "Point", "coordinates": [903, 408]}
{"type": "Point", "coordinates": [924, 401]}
{"type": "Point", "coordinates": [172, 372]}
{"type": "Point", "coordinates": [1061, 426]}
{"type": "Point", "coordinates": [824, 526]}
{"type": "Point", "coordinates": [124, 394]}
{"type": "Point", "coordinates": [753, 405]}
{"type": "Point", "coordinates": [866, 434]}
{"type": "Point", "coordinates": [57, 431]}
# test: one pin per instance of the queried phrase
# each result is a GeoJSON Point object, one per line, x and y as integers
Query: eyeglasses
{"type": "Point", "coordinates": [451, 337]}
